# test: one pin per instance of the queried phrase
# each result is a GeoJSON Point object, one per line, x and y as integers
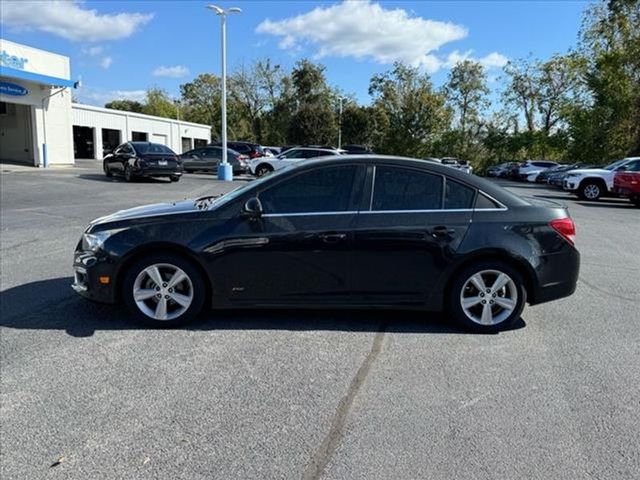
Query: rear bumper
{"type": "Point", "coordinates": [158, 172]}
{"type": "Point", "coordinates": [557, 276]}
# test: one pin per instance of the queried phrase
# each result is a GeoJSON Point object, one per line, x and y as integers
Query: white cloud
{"type": "Point", "coordinates": [71, 20]}
{"type": "Point", "coordinates": [96, 96]}
{"type": "Point", "coordinates": [106, 62]}
{"type": "Point", "coordinates": [493, 60]}
{"type": "Point", "coordinates": [92, 51]}
{"type": "Point", "coordinates": [365, 30]}
{"type": "Point", "coordinates": [176, 71]}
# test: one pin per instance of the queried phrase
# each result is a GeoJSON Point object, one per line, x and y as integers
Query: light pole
{"type": "Point", "coordinates": [340, 123]}
{"type": "Point", "coordinates": [225, 171]}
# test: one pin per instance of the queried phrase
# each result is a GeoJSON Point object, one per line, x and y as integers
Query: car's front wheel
{"type": "Point", "coordinates": [128, 173]}
{"type": "Point", "coordinates": [262, 170]}
{"type": "Point", "coordinates": [163, 290]}
{"type": "Point", "coordinates": [106, 170]}
{"type": "Point", "coordinates": [590, 190]}
{"type": "Point", "coordinates": [175, 178]}
{"type": "Point", "coordinates": [487, 297]}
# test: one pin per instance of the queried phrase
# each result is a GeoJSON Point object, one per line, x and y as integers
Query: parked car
{"type": "Point", "coordinates": [452, 162]}
{"type": "Point", "coordinates": [498, 170]}
{"type": "Point", "coordinates": [531, 166]}
{"type": "Point", "coordinates": [251, 150]}
{"type": "Point", "coordinates": [593, 183]}
{"type": "Point", "coordinates": [557, 178]}
{"type": "Point", "coordinates": [208, 159]}
{"type": "Point", "coordinates": [134, 160]}
{"type": "Point", "coordinates": [356, 149]}
{"type": "Point", "coordinates": [626, 182]}
{"type": "Point", "coordinates": [264, 165]}
{"type": "Point", "coordinates": [357, 231]}
{"type": "Point", "coordinates": [544, 175]}
{"type": "Point", "coordinates": [533, 176]}
{"type": "Point", "coordinates": [271, 151]}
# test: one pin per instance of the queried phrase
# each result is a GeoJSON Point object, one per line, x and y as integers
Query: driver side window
{"type": "Point", "coordinates": [318, 191]}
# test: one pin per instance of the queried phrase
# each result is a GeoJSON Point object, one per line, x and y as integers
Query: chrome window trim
{"type": "Point", "coordinates": [308, 214]}
{"type": "Point", "coordinates": [373, 187]}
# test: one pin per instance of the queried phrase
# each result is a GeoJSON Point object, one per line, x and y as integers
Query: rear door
{"type": "Point", "coordinates": [407, 233]}
{"type": "Point", "coordinates": [211, 157]}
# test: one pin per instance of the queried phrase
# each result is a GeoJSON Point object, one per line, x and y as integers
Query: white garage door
{"type": "Point", "coordinates": [158, 138]}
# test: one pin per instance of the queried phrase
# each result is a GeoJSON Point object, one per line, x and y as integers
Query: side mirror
{"type": "Point", "coordinates": [252, 208]}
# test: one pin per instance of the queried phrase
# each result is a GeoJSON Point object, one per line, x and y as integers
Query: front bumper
{"type": "Point", "coordinates": [90, 271]}
{"type": "Point", "coordinates": [570, 184]}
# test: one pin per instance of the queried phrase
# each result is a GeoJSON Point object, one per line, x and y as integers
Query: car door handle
{"type": "Point", "coordinates": [441, 231]}
{"type": "Point", "coordinates": [332, 237]}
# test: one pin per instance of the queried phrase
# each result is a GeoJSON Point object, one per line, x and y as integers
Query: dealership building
{"type": "Point", "coordinates": [41, 126]}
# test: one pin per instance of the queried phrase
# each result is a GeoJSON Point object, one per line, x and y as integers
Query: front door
{"type": "Point", "coordinates": [406, 234]}
{"type": "Point", "coordinates": [301, 247]}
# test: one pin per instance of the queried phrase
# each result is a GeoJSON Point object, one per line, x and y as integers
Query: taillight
{"type": "Point", "coordinates": [566, 228]}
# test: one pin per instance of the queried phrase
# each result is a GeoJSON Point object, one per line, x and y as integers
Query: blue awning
{"type": "Point", "coordinates": [36, 77]}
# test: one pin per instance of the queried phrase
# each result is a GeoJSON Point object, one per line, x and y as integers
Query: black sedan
{"type": "Point", "coordinates": [357, 231]}
{"type": "Point", "coordinates": [135, 160]}
{"type": "Point", "coordinates": [208, 159]}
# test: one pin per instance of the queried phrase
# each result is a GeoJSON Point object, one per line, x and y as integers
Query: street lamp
{"type": "Point", "coordinates": [340, 123]}
{"type": "Point", "coordinates": [225, 171]}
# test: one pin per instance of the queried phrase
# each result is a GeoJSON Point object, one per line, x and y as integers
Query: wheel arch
{"type": "Point", "coordinates": [155, 248]}
{"type": "Point", "coordinates": [511, 259]}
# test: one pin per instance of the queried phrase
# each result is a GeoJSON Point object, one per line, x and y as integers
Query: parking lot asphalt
{"type": "Point", "coordinates": [290, 394]}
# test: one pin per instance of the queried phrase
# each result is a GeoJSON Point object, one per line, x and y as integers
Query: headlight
{"type": "Point", "coordinates": [93, 241]}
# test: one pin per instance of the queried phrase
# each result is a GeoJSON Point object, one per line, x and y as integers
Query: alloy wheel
{"type": "Point", "coordinates": [163, 291]}
{"type": "Point", "coordinates": [591, 191]}
{"type": "Point", "coordinates": [489, 297]}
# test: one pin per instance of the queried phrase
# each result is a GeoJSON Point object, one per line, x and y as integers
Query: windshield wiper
{"type": "Point", "coordinates": [204, 202]}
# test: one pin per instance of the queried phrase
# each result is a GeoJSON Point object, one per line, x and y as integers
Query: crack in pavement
{"type": "Point", "coordinates": [605, 292]}
{"type": "Point", "coordinates": [332, 440]}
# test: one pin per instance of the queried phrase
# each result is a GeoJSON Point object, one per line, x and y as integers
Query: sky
{"type": "Point", "coordinates": [119, 49]}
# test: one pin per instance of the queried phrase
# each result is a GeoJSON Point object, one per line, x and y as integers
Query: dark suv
{"type": "Point", "coordinates": [251, 150]}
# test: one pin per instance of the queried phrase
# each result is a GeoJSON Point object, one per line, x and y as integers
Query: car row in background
{"type": "Point", "coordinates": [588, 182]}
{"type": "Point", "coordinates": [452, 162]}
{"type": "Point", "coordinates": [264, 165]}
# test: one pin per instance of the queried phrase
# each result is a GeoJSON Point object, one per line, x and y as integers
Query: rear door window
{"type": "Point", "coordinates": [397, 188]}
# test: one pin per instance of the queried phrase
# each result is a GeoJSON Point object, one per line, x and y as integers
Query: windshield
{"type": "Point", "coordinates": [615, 164]}
{"type": "Point", "coordinates": [146, 148]}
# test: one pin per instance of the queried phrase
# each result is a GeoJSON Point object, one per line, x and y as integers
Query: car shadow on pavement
{"type": "Point", "coordinates": [52, 305]}
{"type": "Point", "coordinates": [96, 177]}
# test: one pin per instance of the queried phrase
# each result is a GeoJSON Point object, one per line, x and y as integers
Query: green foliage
{"type": "Point", "coordinates": [125, 105]}
{"type": "Point", "coordinates": [415, 114]}
{"type": "Point", "coordinates": [158, 103]}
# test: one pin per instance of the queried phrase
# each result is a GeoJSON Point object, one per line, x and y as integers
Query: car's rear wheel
{"type": "Point", "coordinates": [262, 170]}
{"type": "Point", "coordinates": [175, 178]}
{"type": "Point", "coordinates": [106, 170]}
{"type": "Point", "coordinates": [487, 297]}
{"type": "Point", "coordinates": [163, 290]}
{"type": "Point", "coordinates": [636, 201]}
{"type": "Point", "coordinates": [590, 190]}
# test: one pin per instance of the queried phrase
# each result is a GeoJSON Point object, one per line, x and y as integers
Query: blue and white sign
{"type": "Point", "coordinates": [7, 88]}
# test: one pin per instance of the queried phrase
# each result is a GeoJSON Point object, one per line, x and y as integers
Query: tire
{"type": "Point", "coordinates": [128, 174]}
{"type": "Point", "coordinates": [191, 290]}
{"type": "Point", "coordinates": [636, 201]}
{"type": "Point", "coordinates": [107, 172]}
{"type": "Point", "coordinates": [590, 190]}
{"type": "Point", "coordinates": [472, 316]}
{"type": "Point", "coordinates": [175, 178]}
{"type": "Point", "coordinates": [263, 169]}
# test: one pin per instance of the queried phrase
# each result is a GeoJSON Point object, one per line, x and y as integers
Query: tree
{"type": "Point", "coordinates": [158, 103]}
{"type": "Point", "coordinates": [414, 115]}
{"type": "Point", "coordinates": [125, 105]}
{"type": "Point", "coordinates": [314, 119]}
{"type": "Point", "coordinates": [466, 91]}
{"type": "Point", "coordinates": [523, 89]}
{"type": "Point", "coordinates": [201, 101]}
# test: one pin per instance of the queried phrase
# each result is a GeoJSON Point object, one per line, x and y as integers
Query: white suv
{"type": "Point", "coordinates": [262, 165]}
{"type": "Point", "coordinates": [593, 183]}
{"type": "Point", "coordinates": [531, 166]}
